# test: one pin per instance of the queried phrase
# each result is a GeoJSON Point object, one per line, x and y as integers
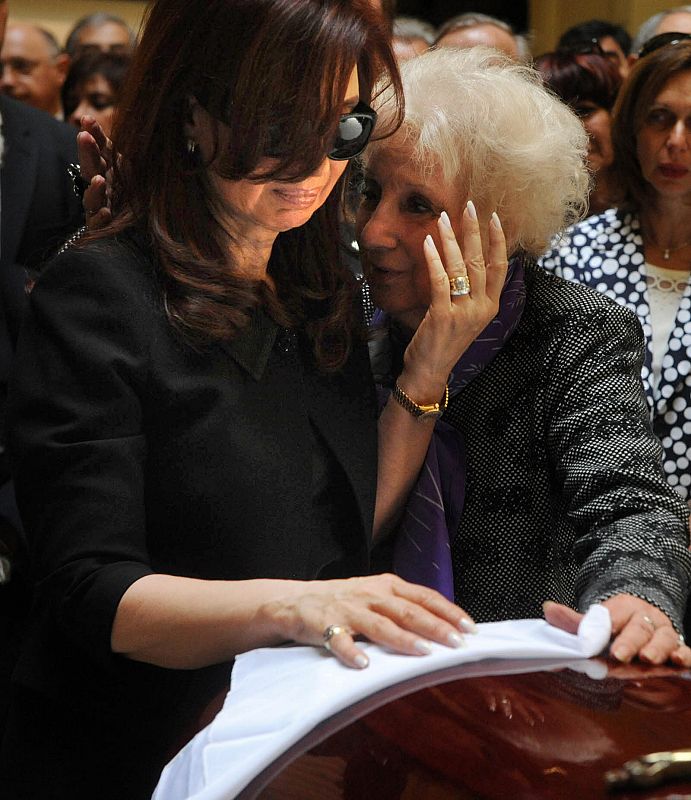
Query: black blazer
{"type": "Point", "coordinates": [133, 453]}
{"type": "Point", "coordinates": [39, 209]}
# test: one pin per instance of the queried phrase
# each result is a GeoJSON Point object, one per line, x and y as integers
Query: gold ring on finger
{"type": "Point", "coordinates": [649, 621]}
{"type": "Point", "coordinates": [330, 632]}
{"type": "Point", "coordinates": [459, 286]}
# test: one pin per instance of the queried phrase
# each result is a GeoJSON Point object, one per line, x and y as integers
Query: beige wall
{"type": "Point", "coordinates": [550, 18]}
{"type": "Point", "coordinates": [58, 16]}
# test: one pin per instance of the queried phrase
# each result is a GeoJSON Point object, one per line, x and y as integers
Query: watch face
{"type": "Point", "coordinates": [430, 416]}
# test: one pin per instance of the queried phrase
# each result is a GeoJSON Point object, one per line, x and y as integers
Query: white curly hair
{"type": "Point", "coordinates": [499, 136]}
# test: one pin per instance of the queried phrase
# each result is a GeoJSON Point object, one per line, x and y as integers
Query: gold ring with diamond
{"type": "Point", "coordinates": [459, 286]}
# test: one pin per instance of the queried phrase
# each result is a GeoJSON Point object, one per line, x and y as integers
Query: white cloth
{"type": "Point", "coordinates": [278, 695]}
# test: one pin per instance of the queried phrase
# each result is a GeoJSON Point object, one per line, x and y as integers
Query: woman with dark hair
{"type": "Point", "coordinates": [640, 253]}
{"type": "Point", "coordinates": [193, 419]}
{"type": "Point", "coordinates": [93, 87]}
{"type": "Point", "coordinates": [589, 83]}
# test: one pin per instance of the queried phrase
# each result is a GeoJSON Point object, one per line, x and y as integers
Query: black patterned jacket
{"type": "Point", "coordinates": [566, 498]}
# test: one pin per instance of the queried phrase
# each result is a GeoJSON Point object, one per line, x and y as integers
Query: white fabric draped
{"type": "Point", "coordinates": [279, 695]}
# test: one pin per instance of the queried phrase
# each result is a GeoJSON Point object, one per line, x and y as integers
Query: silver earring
{"type": "Point", "coordinates": [191, 147]}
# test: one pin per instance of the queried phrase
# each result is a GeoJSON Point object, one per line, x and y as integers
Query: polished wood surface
{"type": "Point", "coordinates": [467, 733]}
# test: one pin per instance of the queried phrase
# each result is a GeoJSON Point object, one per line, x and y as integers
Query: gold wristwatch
{"type": "Point", "coordinates": [421, 412]}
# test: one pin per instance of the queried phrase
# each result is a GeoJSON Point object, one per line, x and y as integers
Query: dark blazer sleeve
{"type": "Point", "coordinates": [631, 525]}
{"type": "Point", "coordinates": [39, 208]}
{"type": "Point", "coordinates": [75, 435]}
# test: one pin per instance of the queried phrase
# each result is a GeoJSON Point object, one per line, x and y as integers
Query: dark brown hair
{"type": "Point", "coordinates": [579, 77]}
{"type": "Point", "coordinates": [258, 66]}
{"type": "Point", "coordinates": [644, 83]}
{"type": "Point", "coordinates": [111, 66]}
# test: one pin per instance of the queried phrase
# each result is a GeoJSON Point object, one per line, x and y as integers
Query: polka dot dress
{"type": "Point", "coordinates": [606, 253]}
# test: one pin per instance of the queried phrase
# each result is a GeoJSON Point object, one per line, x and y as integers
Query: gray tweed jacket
{"type": "Point", "coordinates": [566, 498]}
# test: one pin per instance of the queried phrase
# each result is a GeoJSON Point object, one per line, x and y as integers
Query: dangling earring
{"type": "Point", "coordinates": [191, 147]}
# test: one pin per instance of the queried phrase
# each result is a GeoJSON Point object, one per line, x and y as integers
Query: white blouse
{"type": "Point", "coordinates": [665, 289]}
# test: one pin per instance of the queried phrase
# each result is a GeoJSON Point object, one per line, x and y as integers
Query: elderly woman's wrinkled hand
{"type": "Point", "coordinates": [464, 297]}
{"type": "Point", "coordinates": [384, 609]}
{"type": "Point", "coordinates": [639, 628]}
{"type": "Point", "coordinates": [96, 161]}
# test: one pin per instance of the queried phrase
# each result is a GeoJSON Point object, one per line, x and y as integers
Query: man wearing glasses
{"type": "Point", "coordinates": [32, 68]}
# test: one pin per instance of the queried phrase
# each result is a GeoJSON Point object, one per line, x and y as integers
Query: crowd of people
{"type": "Point", "coordinates": [227, 427]}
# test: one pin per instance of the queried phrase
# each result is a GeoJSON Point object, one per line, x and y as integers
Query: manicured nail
{"type": "Point", "coordinates": [467, 625]}
{"type": "Point", "coordinates": [429, 242]}
{"type": "Point", "coordinates": [361, 661]}
{"type": "Point", "coordinates": [444, 217]}
{"type": "Point", "coordinates": [455, 640]}
{"type": "Point", "coordinates": [423, 647]}
{"type": "Point", "coordinates": [472, 212]}
{"type": "Point", "coordinates": [621, 654]}
{"type": "Point", "coordinates": [495, 220]}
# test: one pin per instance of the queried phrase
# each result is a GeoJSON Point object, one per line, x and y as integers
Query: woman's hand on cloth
{"type": "Point", "coordinates": [453, 322]}
{"type": "Point", "coordinates": [95, 161]}
{"type": "Point", "coordinates": [384, 609]}
{"type": "Point", "coordinates": [640, 630]}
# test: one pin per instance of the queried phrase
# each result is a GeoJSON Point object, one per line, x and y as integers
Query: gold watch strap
{"type": "Point", "coordinates": [421, 411]}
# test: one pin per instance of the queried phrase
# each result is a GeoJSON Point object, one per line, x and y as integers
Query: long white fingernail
{"type": "Point", "coordinates": [444, 217]}
{"type": "Point", "coordinates": [423, 647]}
{"type": "Point", "coordinates": [455, 640]}
{"type": "Point", "coordinates": [495, 220]}
{"type": "Point", "coordinates": [429, 243]}
{"type": "Point", "coordinates": [472, 211]}
{"type": "Point", "coordinates": [467, 625]}
{"type": "Point", "coordinates": [361, 661]}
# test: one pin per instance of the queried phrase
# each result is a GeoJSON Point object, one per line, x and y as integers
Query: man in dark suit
{"type": "Point", "coordinates": [38, 210]}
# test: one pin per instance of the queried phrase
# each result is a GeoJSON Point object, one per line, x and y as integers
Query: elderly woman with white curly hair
{"type": "Point", "coordinates": [543, 480]}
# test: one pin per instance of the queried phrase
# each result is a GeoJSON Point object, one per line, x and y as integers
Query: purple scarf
{"type": "Point", "coordinates": [422, 550]}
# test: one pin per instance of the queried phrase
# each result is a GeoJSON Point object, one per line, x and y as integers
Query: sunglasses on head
{"type": "Point", "coordinates": [584, 47]}
{"type": "Point", "coordinates": [662, 40]}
